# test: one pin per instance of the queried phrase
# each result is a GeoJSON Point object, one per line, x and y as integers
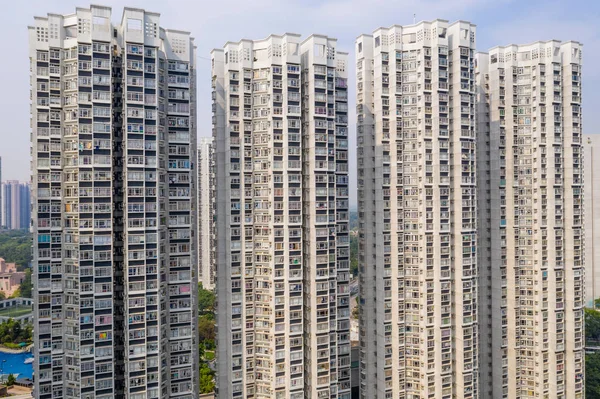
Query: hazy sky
{"type": "Point", "coordinates": [212, 23]}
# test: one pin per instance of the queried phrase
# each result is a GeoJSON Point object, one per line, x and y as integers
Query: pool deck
{"type": "Point", "coordinates": [19, 394]}
{"type": "Point", "coordinates": [15, 351]}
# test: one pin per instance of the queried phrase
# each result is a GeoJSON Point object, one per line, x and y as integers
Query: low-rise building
{"type": "Point", "coordinates": [10, 278]}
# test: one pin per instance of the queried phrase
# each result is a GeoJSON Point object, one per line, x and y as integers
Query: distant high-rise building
{"type": "Point", "coordinates": [5, 189]}
{"type": "Point", "coordinates": [25, 205]}
{"type": "Point", "coordinates": [114, 263]}
{"type": "Point", "coordinates": [16, 205]}
{"type": "Point", "coordinates": [14, 197]}
{"type": "Point", "coordinates": [206, 237]}
{"type": "Point", "coordinates": [281, 163]}
{"type": "Point", "coordinates": [591, 150]}
{"type": "Point", "coordinates": [531, 233]}
{"type": "Point", "coordinates": [417, 213]}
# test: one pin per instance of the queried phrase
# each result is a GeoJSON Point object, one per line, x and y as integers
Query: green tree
{"type": "Point", "coordinates": [207, 381]}
{"type": "Point", "coordinates": [15, 246]}
{"type": "Point", "coordinates": [26, 286]}
{"type": "Point", "coordinates": [206, 328]}
{"type": "Point", "coordinates": [592, 360]}
{"type": "Point", "coordinates": [6, 331]}
{"type": "Point", "coordinates": [16, 332]}
{"type": "Point", "coordinates": [27, 333]}
{"type": "Point", "coordinates": [354, 255]}
{"type": "Point", "coordinates": [10, 381]}
{"type": "Point", "coordinates": [2, 295]}
{"type": "Point", "coordinates": [201, 350]}
{"type": "Point", "coordinates": [12, 332]}
{"type": "Point", "coordinates": [206, 300]}
{"type": "Point", "coordinates": [592, 326]}
{"type": "Point", "coordinates": [206, 332]}
{"type": "Point", "coordinates": [592, 376]}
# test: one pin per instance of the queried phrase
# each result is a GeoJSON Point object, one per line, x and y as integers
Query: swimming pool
{"type": "Point", "coordinates": [12, 363]}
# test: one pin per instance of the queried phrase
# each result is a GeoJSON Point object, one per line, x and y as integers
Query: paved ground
{"type": "Point", "coordinates": [18, 392]}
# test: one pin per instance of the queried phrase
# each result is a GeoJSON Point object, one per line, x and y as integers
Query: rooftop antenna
{"type": "Point", "coordinates": [414, 18]}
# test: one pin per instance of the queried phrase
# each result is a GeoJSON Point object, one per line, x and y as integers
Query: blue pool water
{"type": "Point", "coordinates": [13, 364]}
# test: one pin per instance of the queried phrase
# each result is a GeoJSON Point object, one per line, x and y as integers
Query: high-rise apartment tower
{"type": "Point", "coordinates": [114, 141]}
{"type": "Point", "coordinates": [281, 154]}
{"type": "Point", "coordinates": [15, 204]}
{"type": "Point", "coordinates": [591, 146]}
{"type": "Point", "coordinates": [531, 233]}
{"type": "Point", "coordinates": [417, 212]}
{"type": "Point", "coordinates": [24, 205]}
{"type": "Point", "coordinates": [206, 194]}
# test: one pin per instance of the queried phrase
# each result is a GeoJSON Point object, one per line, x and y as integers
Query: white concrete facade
{"type": "Point", "coordinates": [531, 221]}
{"type": "Point", "coordinates": [114, 265]}
{"type": "Point", "coordinates": [417, 212]}
{"type": "Point", "coordinates": [206, 242]}
{"type": "Point", "coordinates": [591, 146]}
{"type": "Point", "coordinates": [281, 139]}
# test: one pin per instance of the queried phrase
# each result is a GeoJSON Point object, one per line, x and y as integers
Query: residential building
{"type": "Point", "coordinates": [5, 211]}
{"type": "Point", "coordinates": [281, 163]}
{"type": "Point", "coordinates": [24, 205]}
{"type": "Point", "coordinates": [206, 236]}
{"type": "Point", "coordinates": [14, 199]}
{"type": "Point", "coordinates": [113, 151]}
{"type": "Point", "coordinates": [7, 189]}
{"type": "Point", "coordinates": [10, 278]}
{"type": "Point", "coordinates": [417, 213]}
{"type": "Point", "coordinates": [355, 369]}
{"type": "Point", "coordinates": [16, 205]}
{"type": "Point", "coordinates": [531, 233]}
{"type": "Point", "coordinates": [591, 155]}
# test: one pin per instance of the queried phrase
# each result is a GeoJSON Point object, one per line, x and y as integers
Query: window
{"type": "Point", "coordinates": [100, 47]}
{"type": "Point", "coordinates": [177, 66]}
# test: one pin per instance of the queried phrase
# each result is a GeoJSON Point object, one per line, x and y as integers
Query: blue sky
{"type": "Point", "coordinates": [212, 23]}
